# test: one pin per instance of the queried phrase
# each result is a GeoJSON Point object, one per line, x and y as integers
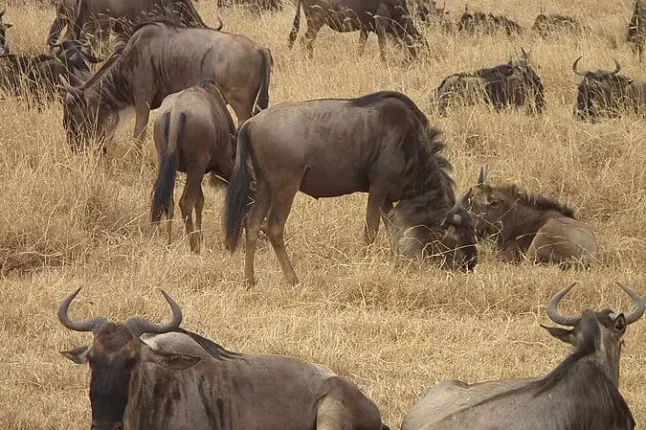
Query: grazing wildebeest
{"type": "Point", "coordinates": [4, 26]}
{"type": "Point", "coordinates": [173, 379]}
{"type": "Point", "coordinates": [547, 24]}
{"type": "Point", "coordinates": [383, 17]}
{"type": "Point", "coordinates": [487, 23]}
{"type": "Point", "coordinates": [636, 34]}
{"type": "Point", "coordinates": [582, 392]}
{"type": "Point", "coordinates": [535, 227]}
{"type": "Point", "coordinates": [195, 134]}
{"type": "Point", "coordinates": [176, 58]}
{"type": "Point", "coordinates": [513, 84]}
{"type": "Point", "coordinates": [379, 143]}
{"type": "Point", "coordinates": [607, 93]}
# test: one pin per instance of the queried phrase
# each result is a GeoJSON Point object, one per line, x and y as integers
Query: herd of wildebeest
{"type": "Point", "coordinates": [149, 376]}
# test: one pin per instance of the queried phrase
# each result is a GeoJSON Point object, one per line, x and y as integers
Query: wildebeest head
{"type": "Point", "coordinates": [600, 92]}
{"type": "Point", "coordinates": [4, 46]}
{"type": "Point", "coordinates": [114, 356]}
{"type": "Point", "coordinates": [487, 205]}
{"type": "Point", "coordinates": [458, 244]}
{"type": "Point", "coordinates": [595, 332]}
{"type": "Point", "coordinates": [75, 54]}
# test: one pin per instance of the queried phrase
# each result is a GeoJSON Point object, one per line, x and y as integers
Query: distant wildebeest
{"type": "Point", "coordinates": [429, 13]}
{"type": "Point", "coordinates": [4, 26]}
{"type": "Point", "coordinates": [253, 5]}
{"type": "Point", "coordinates": [379, 143]}
{"type": "Point", "coordinates": [607, 93]}
{"type": "Point", "coordinates": [547, 24]}
{"type": "Point", "coordinates": [513, 84]}
{"type": "Point", "coordinates": [636, 34]}
{"type": "Point", "coordinates": [383, 17]}
{"type": "Point", "coordinates": [582, 392]}
{"type": "Point", "coordinates": [195, 134]}
{"type": "Point", "coordinates": [529, 226]}
{"type": "Point", "coordinates": [486, 23]}
{"type": "Point", "coordinates": [176, 58]}
{"type": "Point", "coordinates": [154, 377]}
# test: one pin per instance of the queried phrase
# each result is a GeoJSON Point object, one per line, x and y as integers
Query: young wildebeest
{"type": "Point", "coordinates": [481, 23]}
{"type": "Point", "coordinates": [606, 93]}
{"type": "Point", "coordinates": [173, 379]}
{"type": "Point", "coordinates": [379, 143]}
{"type": "Point", "coordinates": [384, 17]}
{"type": "Point", "coordinates": [514, 84]}
{"type": "Point", "coordinates": [176, 58]}
{"type": "Point", "coordinates": [541, 229]}
{"type": "Point", "coordinates": [636, 34]}
{"type": "Point", "coordinates": [580, 393]}
{"type": "Point", "coordinates": [4, 45]}
{"type": "Point", "coordinates": [194, 133]}
{"type": "Point", "coordinates": [547, 24]}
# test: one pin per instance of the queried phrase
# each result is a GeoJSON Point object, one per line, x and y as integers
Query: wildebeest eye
{"type": "Point", "coordinates": [494, 203]}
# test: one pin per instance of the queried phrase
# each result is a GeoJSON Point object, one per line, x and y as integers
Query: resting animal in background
{"type": "Point", "coordinates": [636, 34]}
{"type": "Point", "coordinates": [607, 93]}
{"type": "Point", "coordinates": [514, 84]}
{"type": "Point", "coordinates": [534, 227]}
{"type": "Point", "coordinates": [4, 45]}
{"type": "Point", "coordinates": [194, 133]}
{"type": "Point", "coordinates": [481, 23]}
{"type": "Point", "coordinates": [384, 17]}
{"type": "Point", "coordinates": [547, 24]}
{"type": "Point", "coordinates": [146, 376]}
{"type": "Point", "coordinates": [582, 392]}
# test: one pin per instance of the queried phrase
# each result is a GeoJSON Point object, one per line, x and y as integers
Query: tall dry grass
{"type": "Point", "coordinates": [79, 220]}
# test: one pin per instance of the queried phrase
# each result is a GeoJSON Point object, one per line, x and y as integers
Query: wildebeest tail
{"type": "Point", "coordinates": [296, 26]}
{"type": "Point", "coordinates": [237, 198]}
{"type": "Point", "coordinates": [165, 183]}
{"type": "Point", "coordinates": [263, 91]}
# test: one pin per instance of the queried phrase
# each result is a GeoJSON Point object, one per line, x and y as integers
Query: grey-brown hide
{"type": "Point", "coordinates": [383, 17]}
{"type": "Point", "coordinates": [636, 33]}
{"type": "Point", "coordinates": [379, 143]}
{"type": "Point", "coordinates": [158, 60]}
{"type": "Point", "coordinates": [4, 26]}
{"type": "Point", "coordinates": [174, 379]}
{"type": "Point", "coordinates": [580, 393]}
{"type": "Point", "coordinates": [194, 133]}
{"type": "Point", "coordinates": [513, 84]}
{"type": "Point", "coordinates": [605, 93]}
{"type": "Point", "coordinates": [480, 23]}
{"type": "Point", "coordinates": [530, 226]}
{"type": "Point", "coordinates": [546, 25]}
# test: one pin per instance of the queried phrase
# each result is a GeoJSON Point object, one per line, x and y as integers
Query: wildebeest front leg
{"type": "Point", "coordinates": [376, 201]}
{"type": "Point", "coordinates": [142, 112]}
{"type": "Point", "coordinates": [381, 38]}
{"type": "Point", "coordinates": [313, 27]}
{"type": "Point", "coordinates": [363, 39]}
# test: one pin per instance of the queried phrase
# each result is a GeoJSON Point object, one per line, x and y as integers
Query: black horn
{"type": "Point", "coordinates": [574, 67]}
{"type": "Point", "coordinates": [92, 324]}
{"type": "Point", "coordinates": [220, 24]}
{"type": "Point", "coordinates": [553, 313]}
{"type": "Point", "coordinates": [483, 177]}
{"type": "Point", "coordinates": [639, 306]}
{"type": "Point", "coordinates": [138, 326]}
{"type": "Point", "coordinates": [617, 67]}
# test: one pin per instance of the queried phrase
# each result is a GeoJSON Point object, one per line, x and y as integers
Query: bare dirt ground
{"type": "Point", "coordinates": [77, 220]}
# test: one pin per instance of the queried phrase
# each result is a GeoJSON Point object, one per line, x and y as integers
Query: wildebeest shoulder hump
{"type": "Point", "coordinates": [216, 351]}
{"type": "Point", "coordinates": [369, 99]}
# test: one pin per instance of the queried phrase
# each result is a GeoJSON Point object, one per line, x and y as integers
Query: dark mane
{"type": "Point", "coordinates": [369, 99]}
{"type": "Point", "coordinates": [535, 201]}
{"type": "Point", "coordinates": [216, 351]}
{"type": "Point", "coordinates": [105, 67]}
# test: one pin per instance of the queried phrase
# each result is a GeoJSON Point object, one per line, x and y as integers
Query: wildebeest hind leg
{"type": "Point", "coordinates": [257, 214]}
{"type": "Point", "coordinates": [313, 28]}
{"type": "Point", "coordinates": [282, 200]}
{"type": "Point", "coordinates": [187, 202]}
{"type": "Point", "coordinates": [170, 212]}
{"type": "Point", "coordinates": [199, 206]}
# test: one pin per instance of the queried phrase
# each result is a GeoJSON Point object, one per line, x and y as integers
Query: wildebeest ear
{"type": "Point", "coordinates": [483, 178]}
{"type": "Point", "coordinates": [77, 355]}
{"type": "Point", "coordinates": [7, 26]}
{"type": "Point", "coordinates": [562, 334]}
{"type": "Point", "coordinates": [619, 324]}
{"type": "Point", "coordinates": [168, 360]}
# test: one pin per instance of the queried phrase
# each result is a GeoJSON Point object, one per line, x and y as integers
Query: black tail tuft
{"type": "Point", "coordinates": [165, 183]}
{"type": "Point", "coordinates": [237, 198]}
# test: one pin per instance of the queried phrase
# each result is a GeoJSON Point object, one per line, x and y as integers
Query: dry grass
{"type": "Point", "coordinates": [70, 220]}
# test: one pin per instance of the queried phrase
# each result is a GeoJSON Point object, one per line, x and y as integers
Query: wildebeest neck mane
{"type": "Point", "coordinates": [538, 202]}
{"type": "Point", "coordinates": [216, 351]}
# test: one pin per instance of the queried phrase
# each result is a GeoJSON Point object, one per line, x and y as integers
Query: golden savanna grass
{"type": "Point", "coordinates": [72, 220]}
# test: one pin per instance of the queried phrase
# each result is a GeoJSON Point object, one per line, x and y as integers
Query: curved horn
{"type": "Point", "coordinates": [483, 177]}
{"type": "Point", "coordinates": [2, 12]}
{"type": "Point", "coordinates": [552, 309]}
{"type": "Point", "coordinates": [617, 67]}
{"type": "Point", "coordinates": [92, 324]}
{"type": "Point", "coordinates": [638, 302]}
{"type": "Point", "coordinates": [220, 24]}
{"type": "Point", "coordinates": [138, 326]}
{"type": "Point", "coordinates": [574, 69]}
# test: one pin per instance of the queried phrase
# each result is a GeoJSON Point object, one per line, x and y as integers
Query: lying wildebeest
{"type": "Point", "coordinates": [255, 5]}
{"type": "Point", "coordinates": [514, 84]}
{"type": "Point", "coordinates": [636, 34]}
{"type": "Point", "coordinates": [607, 93]}
{"type": "Point", "coordinates": [480, 23]}
{"type": "Point", "coordinates": [176, 58]}
{"type": "Point", "coordinates": [546, 24]}
{"type": "Point", "coordinates": [379, 143]}
{"type": "Point", "coordinates": [580, 393]}
{"type": "Point", "coordinates": [172, 378]}
{"type": "Point", "coordinates": [195, 134]}
{"type": "Point", "coordinates": [535, 227]}
{"type": "Point", "coordinates": [4, 26]}
{"type": "Point", "coordinates": [383, 17]}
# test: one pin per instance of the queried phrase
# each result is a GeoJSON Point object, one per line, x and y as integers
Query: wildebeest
{"type": "Point", "coordinates": [383, 17]}
{"type": "Point", "coordinates": [607, 93]}
{"type": "Point", "coordinates": [4, 26]}
{"type": "Point", "coordinates": [531, 226]}
{"type": "Point", "coordinates": [473, 23]}
{"type": "Point", "coordinates": [253, 5]}
{"type": "Point", "coordinates": [513, 84]}
{"type": "Point", "coordinates": [580, 393]}
{"type": "Point", "coordinates": [547, 24]}
{"type": "Point", "coordinates": [160, 59]}
{"type": "Point", "coordinates": [174, 379]}
{"type": "Point", "coordinates": [636, 34]}
{"type": "Point", "coordinates": [195, 134]}
{"type": "Point", "coordinates": [379, 143]}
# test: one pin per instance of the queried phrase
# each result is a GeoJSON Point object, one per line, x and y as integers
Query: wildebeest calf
{"type": "Point", "coordinates": [636, 34]}
{"type": "Point", "coordinates": [513, 84]}
{"type": "Point", "coordinates": [546, 24]}
{"type": "Point", "coordinates": [194, 133]}
{"type": "Point", "coordinates": [480, 23]}
{"type": "Point", "coordinates": [607, 93]}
